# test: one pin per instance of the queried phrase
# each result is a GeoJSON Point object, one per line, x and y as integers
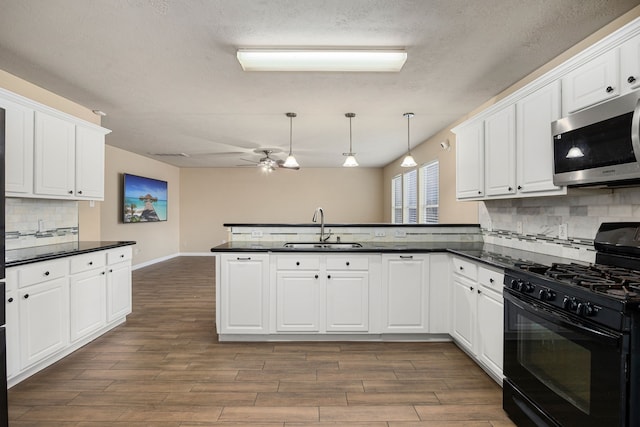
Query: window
{"type": "Point", "coordinates": [396, 199]}
{"type": "Point", "coordinates": [410, 181]}
{"type": "Point", "coordinates": [429, 193]}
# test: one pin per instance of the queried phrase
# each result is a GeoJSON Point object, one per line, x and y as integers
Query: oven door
{"type": "Point", "coordinates": [564, 370]}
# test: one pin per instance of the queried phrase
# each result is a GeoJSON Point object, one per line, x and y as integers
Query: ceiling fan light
{"type": "Point", "coordinates": [408, 162]}
{"type": "Point", "coordinates": [350, 60]}
{"type": "Point", "coordinates": [350, 161]}
{"type": "Point", "coordinates": [290, 162]}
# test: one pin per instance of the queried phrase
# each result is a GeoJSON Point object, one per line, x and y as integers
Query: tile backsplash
{"type": "Point", "coordinates": [38, 222]}
{"type": "Point", "coordinates": [539, 218]}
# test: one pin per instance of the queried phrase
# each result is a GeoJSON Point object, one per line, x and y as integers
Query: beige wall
{"type": "Point", "coordinates": [154, 240]}
{"type": "Point", "coordinates": [451, 211]}
{"type": "Point", "coordinates": [212, 197]}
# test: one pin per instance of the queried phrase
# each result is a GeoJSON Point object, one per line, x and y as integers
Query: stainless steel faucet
{"type": "Point", "coordinates": [323, 238]}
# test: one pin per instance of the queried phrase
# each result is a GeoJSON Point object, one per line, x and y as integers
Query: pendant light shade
{"type": "Point", "coordinates": [291, 161]}
{"type": "Point", "coordinates": [408, 161]}
{"type": "Point", "coordinates": [350, 161]}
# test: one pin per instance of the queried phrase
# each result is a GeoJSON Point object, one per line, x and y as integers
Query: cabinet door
{"type": "Point", "coordinates": [87, 303]}
{"type": "Point", "coordinates": [463, 318]}
{"type": "Point", "coordinates": [500, 152]}
{"type": "Point", "coordinates": [18, 148]}
{"type": "Point", "coordinates": [54, 156]}
{"type": "Point", "coordinates": [405, 293]}
{"type": "Point", "coordinates": [470, 161]}
{"type": "Point", "coordinates": [630, 64]}
{"type": "Point", "coordinates": [347, 301]}
{"type": "Point", "coordinates": [244, 294]}
{"type": "Point", "coordinates": [591, 83]}
{"type": "Point", "coordinates": [118, 291]}
{"type": "Point", "coordinates": [298, 301]}
{"type": "Point", "coordinates": [535, 113]}
{"type": "Point", "coordinates": [44, 320]}
{"type": "Point", "coordinates": [13, 342]}
{"type": "Point", "coordinates": [89, 164]}
{"type": "Point", "coordinates": [490, 329]}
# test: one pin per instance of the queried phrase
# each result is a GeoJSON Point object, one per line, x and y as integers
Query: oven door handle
{"type": "Point", "coordinates": [611, 337]}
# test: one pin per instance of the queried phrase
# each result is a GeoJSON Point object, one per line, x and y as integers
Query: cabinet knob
{"type": "Point", "coordinates": [471, 288]}
{"type": "Point", "coordinates": [316, 276]}
{"type": "Point", "coordinates": [478, 290]}
{"type": "Point", "coordinates": [519, 187]}
{"type": "Point", "coordinates": [479, 192]}
{"type": "Point", "coordinates": [90, 262]}
{"type": "Point", "coordinates": [631, 79]}
{"type": "Point", "coordinates": [297, 262]}
{"type": "Point", "coordinates": [111, 270]}
{"type": "Point", "coordinates": [461, 268]}
{"type": "Point", "coordinates": [609, 89]}
{"type": "Point", "coordinates": [26, 296]}
{"type": "Point", "coordinates": [328, 276]}
{"type": "Point", "coordinates": [70, 191]}
{"type": "Point", "coordinates": [80, 192]}
{"type": "Point", "coordinates": [46, 273]}
{"type": "Point", "coordinates": [509, 189]}
{"type": "Point", "coordinates": [347, 263]}
{"type": "Point", "coordinates": [121, 255]}
{"type": "Point", "coordinates": [490, 280]}
{"type": "Point", "coordinates": [103, 273]}
{"type": "Point", "coordinates": [10, 299]}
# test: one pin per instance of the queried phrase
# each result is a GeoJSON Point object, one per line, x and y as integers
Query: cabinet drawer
{"type": "Point", "coordinates": [297, 263]}
{"type": "Point", "coordinates": [115, 256]}
{"type": "Point", "coordinates": [347, 263]}
{"type": "Point", "coordinates": [42, 272]}
{"type": "Point", "coordinates": [86, 262]}
{"type": "Point", "coordinates": [491, 278]}
{"type": "Point", "coordinates": [465, 268]}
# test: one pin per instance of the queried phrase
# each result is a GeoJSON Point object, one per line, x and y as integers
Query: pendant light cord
{"type": "Point", "coordinates": [350, 139]}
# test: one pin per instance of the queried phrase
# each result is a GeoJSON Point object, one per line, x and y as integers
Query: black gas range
{"type": "Point", "coordinates": [572, 336]}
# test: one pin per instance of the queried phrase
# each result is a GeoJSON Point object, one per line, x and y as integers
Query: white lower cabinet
{"type": "Point", "coordinates": [347, 294]}
{"type": "Point", "coordinates": [405, 293]}
{"type": "Point", "coordinates": [298, 301]}
{"type": "Point", "coordinates": [44, 320]}
{"type": "Point", "coordinates": [118, 271]}
{"type": "Point", "coordinates": [87, 303]}
{"type": "Point", "coordinates": [477, 313]}
{"type": "Point", "coordinates": [244, 293]}
{"type": "Point", "coordinates": [54, 307]}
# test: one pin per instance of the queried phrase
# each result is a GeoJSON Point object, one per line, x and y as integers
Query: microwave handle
{"type": "Point", "coordinates": [635, 131]}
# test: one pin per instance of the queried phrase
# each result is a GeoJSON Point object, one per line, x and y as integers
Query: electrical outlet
{"type": "Point", "coordinates": [255, 234]}
{"type": "Point", "coordinates": [400, 233]}
{"type": "Point", "coordinates": [563, 231]}
{"type": "Point", "coordinates": [519, 227]}
{"type": "Point", "coordinates": [379, 233]}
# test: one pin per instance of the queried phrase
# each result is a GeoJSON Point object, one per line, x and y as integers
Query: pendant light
{"type": "Point", "coordinates": [291, 161]}
{"type": "Point", "coordinates": [350, 161]}
{"type": "Point", "coordinates": [408, 161]}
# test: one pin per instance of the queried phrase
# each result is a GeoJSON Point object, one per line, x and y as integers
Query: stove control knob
{"type": "Point", "coordinates": [543, 294]}
{"type": "Point", "coordinates": [569, 303]}
{"type": "Point", "coordinates": [516, 284]}
{"type": "Point", "coordinates": [528, 287]}
{"type": "Point", "coordinates": [585, 309]}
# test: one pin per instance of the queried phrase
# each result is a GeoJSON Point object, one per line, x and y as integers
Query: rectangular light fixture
{"type": "Point", "coordinates": [356, 60]}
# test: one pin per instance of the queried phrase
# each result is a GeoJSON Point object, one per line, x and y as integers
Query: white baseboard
{"type": "Point", "coordinates": [168, 257]}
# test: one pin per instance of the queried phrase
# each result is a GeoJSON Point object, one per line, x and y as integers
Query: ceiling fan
{"type": "Point", "coordinates": [268, 163]}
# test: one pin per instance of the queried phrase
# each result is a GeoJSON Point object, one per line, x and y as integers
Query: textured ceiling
{"type": "Point", "coordinates": [166, 74]}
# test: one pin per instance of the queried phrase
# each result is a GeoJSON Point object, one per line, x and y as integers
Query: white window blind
{"type": "Point", "coordinates": [411, 197]}
{"type": "Point", "coordinates": [396, 199]}
{"type": "Point", "coordinates": [429, 193]}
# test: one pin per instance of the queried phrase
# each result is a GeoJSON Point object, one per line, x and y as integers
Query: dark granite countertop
{"type": "Point", "coordinates": [497, 256]}
{"type": "Point", "coordinates": [373, 224]}
{"type": "Point", "coordinates": [15, 257]}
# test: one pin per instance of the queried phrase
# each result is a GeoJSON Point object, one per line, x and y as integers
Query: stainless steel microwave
{"type": "Point", "coordinates": [599, 145]}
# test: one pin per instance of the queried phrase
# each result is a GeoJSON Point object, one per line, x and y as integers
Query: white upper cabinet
{"type": "Point", "coordinates": [500, 152]}
{"type": "Point", "coordinates": [89, 183]}
{"type": "Point", "coordinates": [18, 147]}
{"type": "Point", "coordinates": [470, 161]}
{"type": "Point", "coordinates": [54, 156]}
{"type": "Point", "coordinates": [591, 83]}
{"type": "Point", "coordinates": [534, 148]}
{"type": "Point", "coordinates": [630, 64]}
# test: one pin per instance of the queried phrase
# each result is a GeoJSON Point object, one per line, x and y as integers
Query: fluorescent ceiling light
{"type": "Point", "coordinates": [361, 60]}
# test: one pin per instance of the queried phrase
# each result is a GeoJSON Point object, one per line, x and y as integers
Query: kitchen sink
{"type": "Point", "coordinates": [321, 245]}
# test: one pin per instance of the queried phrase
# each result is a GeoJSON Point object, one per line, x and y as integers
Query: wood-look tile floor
{"type": "Point", "coordinates": [165, 367]}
